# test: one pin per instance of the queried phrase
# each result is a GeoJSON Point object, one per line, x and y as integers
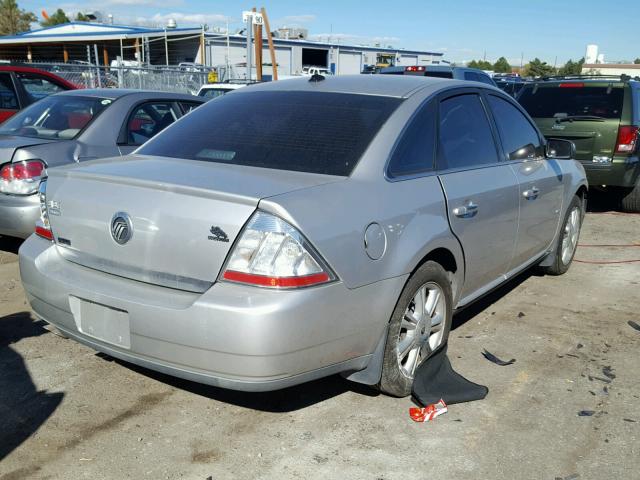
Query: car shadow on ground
{"type": "Point", "coordinates": [10, 244]}
{"type": "Point", "coordinates": [22, 407]}
{"type": "Point", "coordinates": [279, 401]}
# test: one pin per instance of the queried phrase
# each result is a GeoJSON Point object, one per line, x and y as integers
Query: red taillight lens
{"type": "Point", "coordinates": [627, 139]}
{"type": "Point", "coordinates": [572, 85]}
{"type": "Point", "coordinates": [44, 232]}
{"type": "Point", "coordinates": [414, 69]}
{"type": "Point", "coordinates": [21, 178]}
{"type": "Point", "coordinates": [278, 282]}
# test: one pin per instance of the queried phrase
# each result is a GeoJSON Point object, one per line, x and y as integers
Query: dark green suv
{"type": "Point", "coordinates": [601, 115]}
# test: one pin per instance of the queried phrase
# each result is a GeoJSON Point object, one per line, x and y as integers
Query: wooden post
{"type": "Point", "coordinates": [272, 51]}
{"type": "Point", "coordinates": [105, 55]}
{"type": "Point", "coordinates": [65, 54]}
{"type": "Point", "coordinates": [202, 57]}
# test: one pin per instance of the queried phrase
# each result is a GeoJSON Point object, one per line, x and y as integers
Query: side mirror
{"type": "Point", "coordinates": [560, 149]}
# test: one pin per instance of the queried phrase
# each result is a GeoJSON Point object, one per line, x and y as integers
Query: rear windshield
{"type": "Point", "coordinates": [438, 74]}
{"type": "Point", "coordinates": [59, 117]}
{"type": "Point", "coordinates": [312, 132]}
{"type": "Point", "coordinates": [549, 102]}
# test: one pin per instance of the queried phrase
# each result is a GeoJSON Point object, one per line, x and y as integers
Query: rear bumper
{"type": "Point", "coordinates": [621, 172]}
{"type": "Point", "coordinates": [18, 215]}
{"type": "Point", "coordinates": [231, 336]}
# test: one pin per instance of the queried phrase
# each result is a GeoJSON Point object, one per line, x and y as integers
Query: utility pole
{"type": "Point", "coordinates": [166, 47]}
{"type": "Point", "coordinates": [248, 20]}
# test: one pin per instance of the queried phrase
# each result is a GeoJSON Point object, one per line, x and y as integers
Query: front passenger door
{"type": "Point", "coordinates": [481, 192]}
{"type": "Point", "coordinates": [540, 179]}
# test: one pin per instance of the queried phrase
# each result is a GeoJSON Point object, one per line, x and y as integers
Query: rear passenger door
{"type": "Point", "coordinates": [481, 191]}
{"type": "Point", "coordinates": [539, 178]}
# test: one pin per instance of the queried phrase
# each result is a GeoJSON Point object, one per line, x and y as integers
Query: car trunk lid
{"type": "Point", "coordinates": [591, 138]}
{"type": "Point", "coordinates": [183, 215]}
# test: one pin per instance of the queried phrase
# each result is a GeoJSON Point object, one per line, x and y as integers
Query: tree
{"type": "Point", "coordinates": [637, 61]}
{"type": "Point", "coordinates": [571, 67]}
{"type": "Point", "coordinates": [56, 19]}
{"type": "Point", "coordinates": [502, 66]}
{"type": "Point", "coordinates": [81, 17]}
{"type": "Point", "coordinates": [538, 68]}
{"type": "Point", "coordinates": [13, 19]}
{"type": "Point", "coordinates": [480, 64]}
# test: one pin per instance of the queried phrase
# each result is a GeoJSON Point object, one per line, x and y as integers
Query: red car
{"type": "Point", "coordinates": [21, 86]}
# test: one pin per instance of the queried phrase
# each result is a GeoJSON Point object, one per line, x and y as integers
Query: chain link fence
{"type": "Point", "coordinates": [128, 75]}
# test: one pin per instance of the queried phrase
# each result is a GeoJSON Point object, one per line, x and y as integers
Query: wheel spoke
{"type": "Point", "coordinates": [408, 323]}
{"type": "Point", "coordinates": [432, 301]}
{"type": "Point", "coordinates": [437, 322]}
{"type": "Point", "coordinates": [412, 361]}
{"type": "Point", "coordinates": [419, 301]}
{"type": "Point", "coordinates": [405, 345]}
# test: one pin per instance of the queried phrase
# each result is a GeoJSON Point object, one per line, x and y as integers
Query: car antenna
{"type": "Point", "coordinates": [316, 77]}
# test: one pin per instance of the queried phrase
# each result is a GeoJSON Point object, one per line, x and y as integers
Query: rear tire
{"type": "Point", "coordinates": [630, 201]}
{"type": "Point", "coordinates": [568, 241]}
{"type": "Point", "coordinates": [418, 328]}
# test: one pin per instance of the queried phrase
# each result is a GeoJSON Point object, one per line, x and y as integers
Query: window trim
{"type": "Point", "coordinates": [520, 108]}
{"type": "Point", "coordinates": [494, 133]}
{"type": "Point", "coordinates": [123, 136]}
{"type": "Point", "coordinates": [429, 102]}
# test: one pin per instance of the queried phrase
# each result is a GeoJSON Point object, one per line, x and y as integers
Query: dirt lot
{"type": "Point", "coordinates": [67, 413]}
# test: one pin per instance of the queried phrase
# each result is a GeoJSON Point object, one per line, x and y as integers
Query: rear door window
{"type": "Point", "coordinates": [37, 86]}
{"type": "Point", "coordinates": [148, 120]}
{"type": "Point", "coordinates": [8, 98]}
{"type": "Point", "coordinates": [466, 139]}
{"type": "Point", "coordinates": [519, 138]}
{"type": "Point", "coordinates": [316, 132]}
{"type": "Point", "coordinates": [438, 74]}
{"type": "Point", "coordinates": [567, 100]}
{"type": "Point", "coordinates": [414, 152]}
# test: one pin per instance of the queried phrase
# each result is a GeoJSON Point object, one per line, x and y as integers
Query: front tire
{"type": "Point", "coordinates": [568, 242]}
{"type": "Point", "coordinates": [418, 328]}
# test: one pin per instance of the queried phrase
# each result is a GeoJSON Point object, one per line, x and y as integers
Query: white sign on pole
{"type": "Point", "coordinates": [246, 16]}
{"type": "Point", "coordinates": [258, 19]}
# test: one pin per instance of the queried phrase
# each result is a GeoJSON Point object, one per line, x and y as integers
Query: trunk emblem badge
{"type": "Point", "coordinates": [218, 235]}
{"type": "Point", "coordinates": [121, 228]}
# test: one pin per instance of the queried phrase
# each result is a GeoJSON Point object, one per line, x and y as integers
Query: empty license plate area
{"type": "Point", "coordinates": [101, 322]}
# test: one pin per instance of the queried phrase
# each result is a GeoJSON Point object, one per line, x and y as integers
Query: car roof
{"type": "Point", "coordinates": [39, 71]}
{"type": "Point", "coordinates": [114, 93]}
{"type": "Point", "coordinates": [384, 85]}
{"type": "Point", "coordinates": [228, 86]}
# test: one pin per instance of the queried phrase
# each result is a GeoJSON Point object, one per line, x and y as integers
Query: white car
{"type": "Point", "coordinates": [310, 71]}
{"type": "Point", "coordinates": [213, 90]}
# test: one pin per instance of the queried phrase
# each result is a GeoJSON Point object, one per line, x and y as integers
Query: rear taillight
{"type": "Point", "coordinates": [627, 139]}
{"type": "Point", "coordinates": [21, 178]}
{"type": "Point", "coordinates": [272, 253]}
{"type": "Point", "coordinates": [414, 69]}
{"type": "Point", "coordinates": [572, 85]}
{"type": "Point", "coordinates": [43, 228]}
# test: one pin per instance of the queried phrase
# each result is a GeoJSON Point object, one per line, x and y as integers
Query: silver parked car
{"type": "Point", "coordinates": [71, 127]}
{"type": "Point", "coordinates": [302, 228]}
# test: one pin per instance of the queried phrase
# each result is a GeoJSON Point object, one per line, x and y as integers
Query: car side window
{"type": "Point", "coordinates": [519, 138]}
{"type": "Point", "coordinates": [149, 119]}
{"type": "Point", "coordinates": [414, 152]}
{"type": "Point", "coordinates": [465, 139]}
{"type": "Point", "coordinates": [8, 98]}
{"type": "Point", "coordinates": [188, 106]}
{"type": "Point", "coordinates": [472, 76]}
{"type": "Point", "coordinates": [38, 86]}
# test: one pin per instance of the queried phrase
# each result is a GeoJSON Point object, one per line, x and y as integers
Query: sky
{"type": "Point", "coordinates": [552, 30]}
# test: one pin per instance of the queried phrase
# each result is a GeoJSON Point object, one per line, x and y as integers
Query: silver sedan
{"type": "Point", "coordinates": [303, 228]}
{"type": "Point", "coordinates": [70, 127]}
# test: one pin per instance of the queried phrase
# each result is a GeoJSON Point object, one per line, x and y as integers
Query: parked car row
{"type": "Point", "coordinates": [290, 230]}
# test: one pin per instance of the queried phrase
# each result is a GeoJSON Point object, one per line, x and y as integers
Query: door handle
{"type": "Point", "coordinates": [531, 194]}
{"type": "Point", "coordinates": [466, 211]}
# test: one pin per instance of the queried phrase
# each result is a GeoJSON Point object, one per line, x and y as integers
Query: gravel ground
{"type": "Point", "coordinates": [69, 413]}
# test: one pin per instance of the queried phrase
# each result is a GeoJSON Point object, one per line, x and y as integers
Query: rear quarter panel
{"type": "Point", "coordinates": [334, 218]}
